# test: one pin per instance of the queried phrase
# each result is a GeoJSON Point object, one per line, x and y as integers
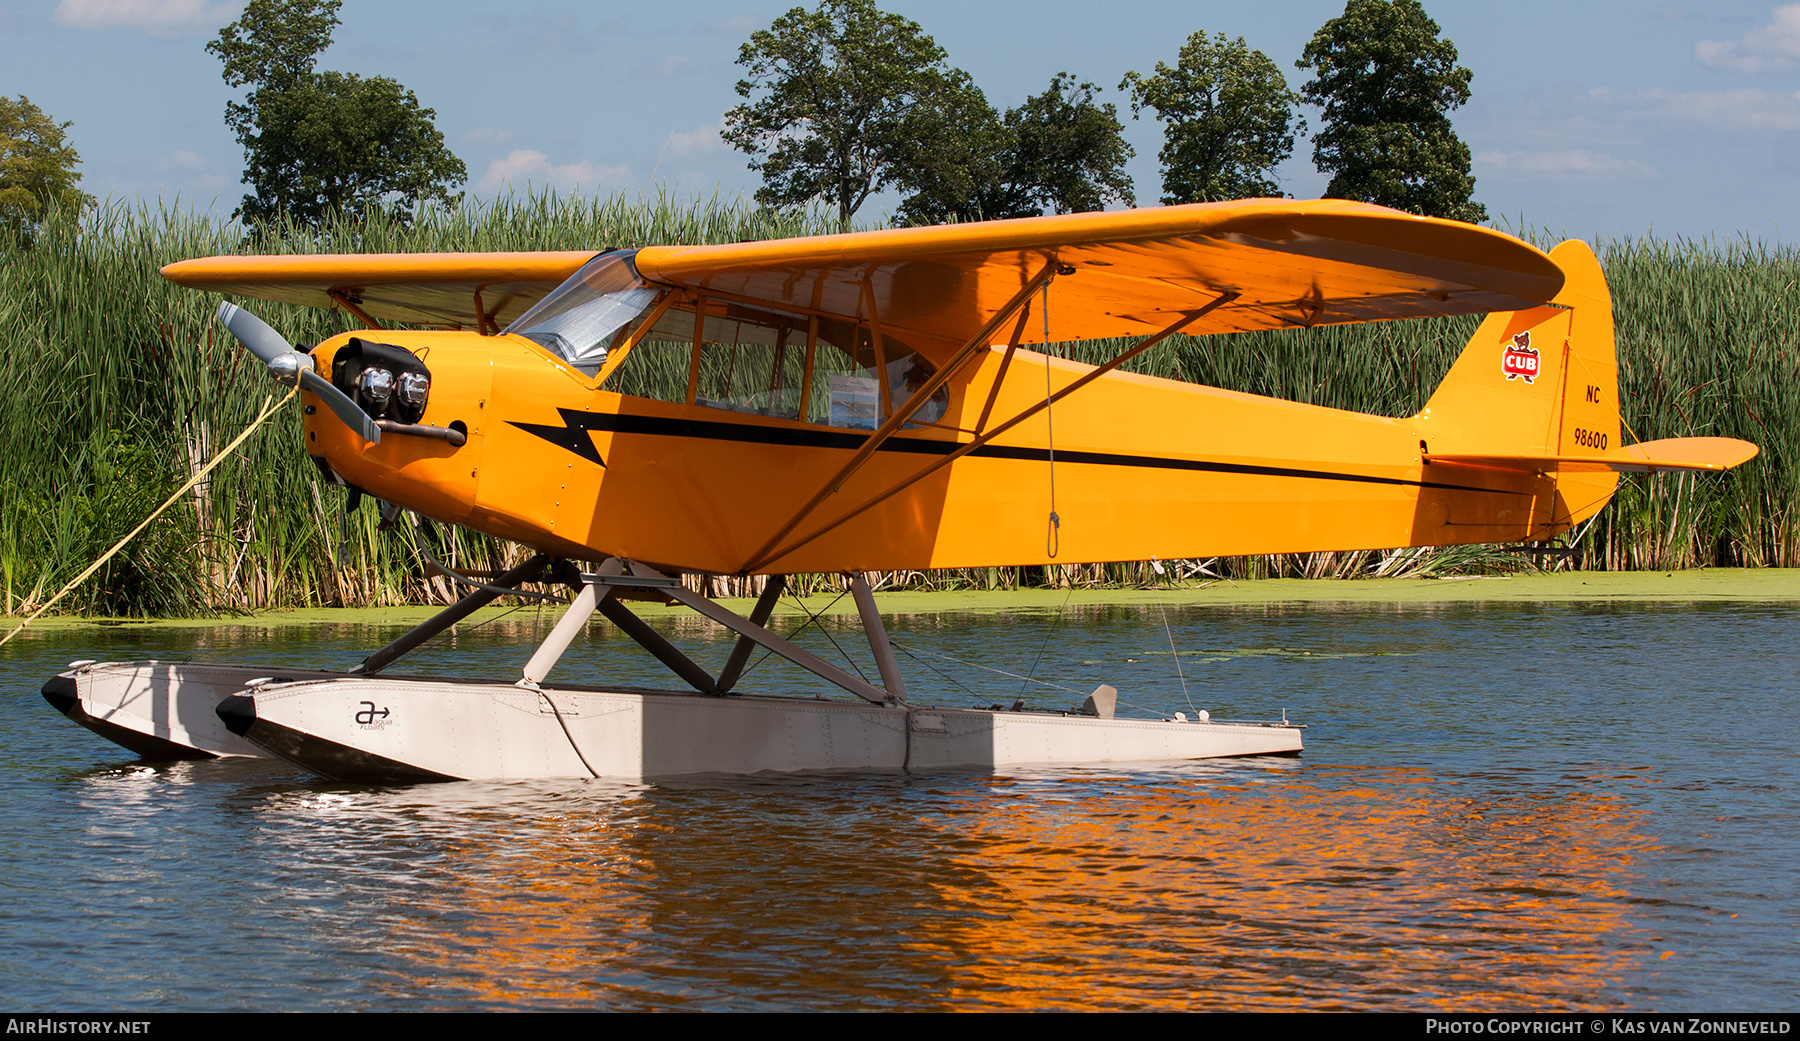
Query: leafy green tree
{"type": "Point", "coordinates": [1059, 151]}
{"type": "Point", "coordinates": [1229, 120]}
{"type": "Point", "coordinates": [1387, 83]}
{"type": "Point", "coordinates": [1069, 153]}
{"type": "Point", "coordinates": [956, 164]}
{"type": "Point", "coordinates": [37, 167]}
{"type": "Point", "coordinates": [317, 142]}
{"type": "Point", "coordinates": [841, 92]}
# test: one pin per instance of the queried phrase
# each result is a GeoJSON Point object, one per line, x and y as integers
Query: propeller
{"type": "Point", "coordinates": [288, 366]}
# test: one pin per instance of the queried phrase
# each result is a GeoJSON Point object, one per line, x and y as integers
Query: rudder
{"type": "Point", "coordinates": [1538, 382]}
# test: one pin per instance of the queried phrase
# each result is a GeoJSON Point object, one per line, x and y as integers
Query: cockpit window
{"type": "Point", "coordinates": [740, 357]}
{"type": "Point", "coordinates": [581, 318]}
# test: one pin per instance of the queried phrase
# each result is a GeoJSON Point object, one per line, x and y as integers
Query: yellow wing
{"type": "Point", "coordinates": [1278, 262]}
{"type": "Point", "coordinates": [1132, 272]}
{"type": "Point", "coordinates": [452, 290]}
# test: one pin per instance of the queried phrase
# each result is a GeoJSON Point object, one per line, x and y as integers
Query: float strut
{"type": "Point", "coordinates": [651, 640]}
{"type": "Point", "coordinates": [546, 656]}
{"type": "Point", "coordinates": [878, 638]}
{"type": "Point", "coordinates": [765, 606]}
{"type": "Point", "coordinates": [745, 627]}
{"type": "Point", "coordinates": [449, 616]}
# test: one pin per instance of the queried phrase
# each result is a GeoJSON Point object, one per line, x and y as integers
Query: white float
{"type": "Point", "coordinates": [160, 710]}
{"type": "Point", "coordinates": [381, 730]}
{"type": "Point", "coordinates": [361, 726]}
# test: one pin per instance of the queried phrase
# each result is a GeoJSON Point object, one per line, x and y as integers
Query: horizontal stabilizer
{"type": "Point", "coordinates": [1714, 454]}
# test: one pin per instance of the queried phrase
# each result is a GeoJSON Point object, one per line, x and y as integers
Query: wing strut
{"type": "Point", "coordinates": [978, 342]}
{"type": "Point", "coordinates": [1012, 348]}
{"type": "Point", "coordinates": [765, 555]}
{"type": "Point", "coordinates": [343, 300]}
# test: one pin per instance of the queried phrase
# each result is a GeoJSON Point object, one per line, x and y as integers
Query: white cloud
{"type": "Point", "coordinates": [180, 159]}
{"type": "Point", "coordinates": [1772, 46]}
{"type": "Point", "coordinates": [666, 66]}
{"type": "Point", "coordinates": [150, 17]}
{"type": "Point", "coordinates": [1755, 110]}
{"type": "Point", "coordinates": [1744, 109]}
{"type": "Point", "coordinates": [526, 166]}
{"type": "Point", "coordinates": [1573, 163]}
{"type": "Point", "coordinates": [701, 139]}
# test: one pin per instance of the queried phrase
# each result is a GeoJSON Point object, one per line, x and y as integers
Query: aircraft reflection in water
{"type": "Point", "coordinates": [1205, 888]}
{"type": "Point", "coordinates": [866, 402]}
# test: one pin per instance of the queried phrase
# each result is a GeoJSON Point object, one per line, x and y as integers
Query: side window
{"type": "Point", "coordinates": [770, 363]}
{"type": "Point", "coordinates": [751, 361]}
{"type": "Point", "coordinates": [907, 371]}
{"type": "Point", "coordinates": [847, 388]}
{"type": "Point", "coordinates": [845, 392]}
{"type": "Point", "coordinates": [657, 365]}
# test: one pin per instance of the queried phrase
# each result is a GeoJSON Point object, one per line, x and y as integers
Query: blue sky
{"type": "Point", "coordinates": [1600, 119]}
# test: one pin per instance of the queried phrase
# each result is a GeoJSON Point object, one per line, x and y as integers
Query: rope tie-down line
{"type": "Point", "coordinates": [270, 406]}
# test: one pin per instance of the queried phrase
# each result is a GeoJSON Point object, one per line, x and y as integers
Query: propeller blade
{"type": "Point", "coordinates": [340, 403]}
{"type": "Point", "coordinates": [287, 364]}
{"type": "Point", "coordinates": [253, 333]}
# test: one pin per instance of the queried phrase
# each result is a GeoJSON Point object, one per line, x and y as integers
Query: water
{"type": "Point", "coordinates": [1500, 807]}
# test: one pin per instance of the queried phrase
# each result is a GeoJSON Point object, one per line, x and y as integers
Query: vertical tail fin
{"type": "Point", "coordinates": [1539, 383]}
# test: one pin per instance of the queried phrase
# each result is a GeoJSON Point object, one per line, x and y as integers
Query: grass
{"type": "Point", "coordinates": [115, 385]}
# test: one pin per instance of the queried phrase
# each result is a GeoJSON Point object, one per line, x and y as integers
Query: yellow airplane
{"type": "Point", "coordinates": [868, 401]}
{"type": "Point", "coordinates": [871, 401]}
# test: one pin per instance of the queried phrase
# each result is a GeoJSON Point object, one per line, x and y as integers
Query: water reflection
{"type": "Point", "coordinates": [1509, 836]}
{"type": "Point", "coordinates": [1243, 885]}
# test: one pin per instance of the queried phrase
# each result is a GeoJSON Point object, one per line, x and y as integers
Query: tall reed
{"type": "Point", "coordinates": [117, 384]}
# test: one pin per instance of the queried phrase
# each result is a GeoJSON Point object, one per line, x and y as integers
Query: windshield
{"type": "Point", "coordinates": [580, 319]}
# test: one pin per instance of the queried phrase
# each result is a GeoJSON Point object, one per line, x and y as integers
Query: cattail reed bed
{"type": "Point", "coordinates": [118, 385]}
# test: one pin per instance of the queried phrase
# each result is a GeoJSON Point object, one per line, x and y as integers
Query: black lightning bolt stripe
{"type": "Point", "coordinates": [573, 435]}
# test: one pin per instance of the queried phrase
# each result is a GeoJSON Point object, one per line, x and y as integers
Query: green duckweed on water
{"type": "Point", "coordinates": [1750, 585]}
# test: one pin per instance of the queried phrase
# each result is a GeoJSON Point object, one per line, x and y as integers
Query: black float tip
{"type": "Point", "coordinates": [61, 693]}
{"type": "Point", "coordinates": [237, 712]}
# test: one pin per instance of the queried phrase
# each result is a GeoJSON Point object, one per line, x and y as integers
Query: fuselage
{"type": "Point", "coordinates": [1131, 467]}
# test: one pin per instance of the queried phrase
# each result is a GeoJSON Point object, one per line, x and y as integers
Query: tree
{"type": "Point", "coordinates": [843, 91]}
{"type": "Point", "coordinates": [1058, 151]}
{"type": "Point", "coordinates": [315, 143]}
{"type": "Point", "coordinates": [1229, 119]}
{"type": "Point", "coordinates": [37, 168]}
{"type": "Point", "coordinates": [1069, 155]}
{"type": "Point", "coordinates": [1387, 83]}
{"type": "Point", "coordinates": [956, 163]}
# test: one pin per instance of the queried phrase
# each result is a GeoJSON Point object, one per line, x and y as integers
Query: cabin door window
{"type": "Point", "coordinates": [750, 360]}
{"type": "Point", "coordinates": [737, 358]}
